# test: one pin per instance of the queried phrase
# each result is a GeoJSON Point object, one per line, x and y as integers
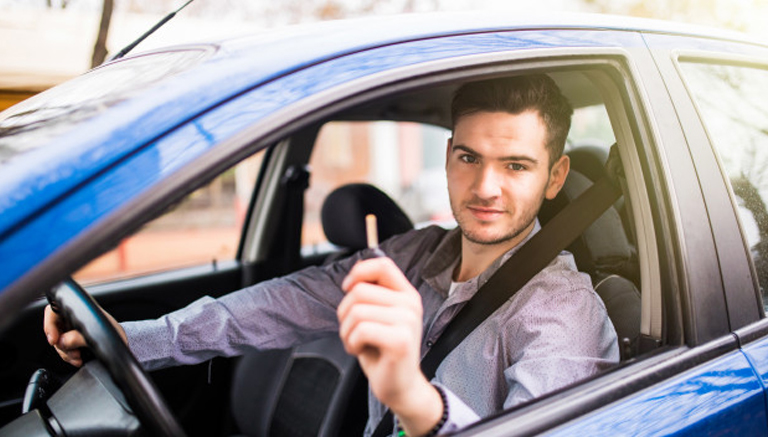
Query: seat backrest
{"type": "Point", "coordinates": [604, 252]}
{"type": "Point", "coordinates": [316, 389]}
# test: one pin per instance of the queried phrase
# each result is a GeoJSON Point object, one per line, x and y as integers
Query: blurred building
{"type": "Point", "coordinates": [42, 47]}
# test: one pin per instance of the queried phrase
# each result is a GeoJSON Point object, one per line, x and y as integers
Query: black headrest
{"type": "Point", "coordinates": [604, 246]}
{"type": "Point", "coordinates": [589, 161]}
{"type": "Point", "coordinates": [344, 211]}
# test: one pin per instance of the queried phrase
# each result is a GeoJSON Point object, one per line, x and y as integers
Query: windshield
{"type": "Point", "coordinates": [34, 121]}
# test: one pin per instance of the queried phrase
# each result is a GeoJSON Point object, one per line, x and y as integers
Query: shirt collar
{"type": "Point", "coordinates": [438, 269]}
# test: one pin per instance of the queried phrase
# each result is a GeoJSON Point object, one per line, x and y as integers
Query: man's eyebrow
{"type": "Point", "coordinates": [458, 147]}
{"type": "Point", "coordinates": [515, 158]}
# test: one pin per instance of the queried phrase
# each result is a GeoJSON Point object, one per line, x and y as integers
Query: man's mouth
{"type": "Point", "coordinates": [484, 213]}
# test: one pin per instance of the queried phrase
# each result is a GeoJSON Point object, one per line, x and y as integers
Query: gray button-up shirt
{"type": "Point", "coordinates": [553, 332]}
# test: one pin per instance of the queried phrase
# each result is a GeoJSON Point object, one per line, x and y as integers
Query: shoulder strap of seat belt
{"type": "Point", "coordinates": [530, 259]}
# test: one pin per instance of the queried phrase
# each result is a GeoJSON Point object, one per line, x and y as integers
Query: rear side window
{"type": "Point", "coordinates": [204, 228]}
{"type": "Point", "coordinates": [733, 103]}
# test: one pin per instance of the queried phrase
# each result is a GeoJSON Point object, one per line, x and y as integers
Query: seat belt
{"type": "Point", "coordinates": [530, 259]}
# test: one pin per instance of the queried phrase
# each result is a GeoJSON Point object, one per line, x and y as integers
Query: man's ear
{"type": "Point", "coordinates": [448, 151]}
{"type": "Point", "coordinates": [557, 175]}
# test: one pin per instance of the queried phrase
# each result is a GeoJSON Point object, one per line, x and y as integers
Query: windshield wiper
{"type": "Point", "coordinates": [165, 19]}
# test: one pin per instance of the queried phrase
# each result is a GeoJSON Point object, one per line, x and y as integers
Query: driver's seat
{"type": "Point", "coordinates": [292, 392]}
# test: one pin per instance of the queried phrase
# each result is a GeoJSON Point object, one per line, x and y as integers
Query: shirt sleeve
{"type": "Point", "coordinates": [275, 314]}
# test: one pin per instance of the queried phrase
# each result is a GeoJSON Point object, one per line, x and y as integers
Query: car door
{"type": "Point", "coordinates": [727, 84]}
{"type": "Point", "coordinates": [690, 376]}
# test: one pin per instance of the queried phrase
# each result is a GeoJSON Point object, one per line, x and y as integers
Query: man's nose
{"type": "Point", "coordinates": [487, 184]}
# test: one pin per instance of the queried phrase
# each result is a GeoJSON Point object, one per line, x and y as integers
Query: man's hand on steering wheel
{"type": "Point", "coordinates": [107, 341]}
{"type": "Point", "coordinates": [69, 342]}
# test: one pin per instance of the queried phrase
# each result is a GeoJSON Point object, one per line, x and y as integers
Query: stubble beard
{"type": "Point", "coordinates": [502, 237]}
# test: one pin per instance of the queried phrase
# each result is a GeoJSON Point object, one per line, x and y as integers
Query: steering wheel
{"type": "Point", "coordinates": [79, 309]}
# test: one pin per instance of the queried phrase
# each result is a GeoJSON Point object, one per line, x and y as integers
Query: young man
{"type": "Point", "coordinates": [504, 159]}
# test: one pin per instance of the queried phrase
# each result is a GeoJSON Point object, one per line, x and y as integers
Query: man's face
{"type": "Point", "coordinates": [498, 175]}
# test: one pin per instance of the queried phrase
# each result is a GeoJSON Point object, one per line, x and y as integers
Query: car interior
{"type": "Point", "coordinates": [316, 388]}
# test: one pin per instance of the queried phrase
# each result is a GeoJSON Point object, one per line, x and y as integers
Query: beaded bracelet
{"type": "Point", "coordinates": [444, 418]}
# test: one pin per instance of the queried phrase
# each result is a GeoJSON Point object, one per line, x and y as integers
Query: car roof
{"type": "Point", "coordinates": [39, 168]}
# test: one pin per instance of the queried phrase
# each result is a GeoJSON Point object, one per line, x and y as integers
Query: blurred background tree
{"type": "Point", "coordinates": [100, 48]}
{"type": "Point", "coordinates": [733, 14]}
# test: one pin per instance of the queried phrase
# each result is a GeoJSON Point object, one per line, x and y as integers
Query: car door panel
{"type": "Point", "coordinates": [757, 351]}
{"type": "Point", "coordinates": [721, 397]}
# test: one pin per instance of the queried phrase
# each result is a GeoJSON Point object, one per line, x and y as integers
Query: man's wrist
{"type": "Point", "coordinates": [425, 413]}
{"type": "Point", "coordinates": [439, 425]}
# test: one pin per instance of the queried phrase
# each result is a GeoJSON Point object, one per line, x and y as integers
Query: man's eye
{"type": "Point", "coordinates": [469, 159]}
{"type": "Point", "coordinates": [516, 166]}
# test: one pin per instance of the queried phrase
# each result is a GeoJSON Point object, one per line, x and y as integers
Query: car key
{"type": "Point", "coordinates": [372, 237]}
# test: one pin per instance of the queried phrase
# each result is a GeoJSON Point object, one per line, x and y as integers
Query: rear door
{"type": "Point", "coordinates": [728, 84]}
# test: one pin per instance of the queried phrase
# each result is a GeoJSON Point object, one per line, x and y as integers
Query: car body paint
{"type": "Point", "coordinates": [720, 397]}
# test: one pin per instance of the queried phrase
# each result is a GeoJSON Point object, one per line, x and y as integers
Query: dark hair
{"type": "Point", "coordinates": [516, 95]}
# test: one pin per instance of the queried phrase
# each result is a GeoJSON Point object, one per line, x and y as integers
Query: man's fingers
{"type": "Point", "coordinates": [72, 357]}
{"type": "Point", "coordinates": [375, 337]}
{"type": "Point", "coordinates": [66, 341]}
{"type": "Point", "coordinates": [379, 300]}
{"type": "Point", "coordinates": [375, 314]}
{"type": "Point", "coordinates": [372, 294]}
{"type": "Point", "coordinates": [71, 340]}
{"type": "Point", "coordinates": [66, 344]}
{"type": "Point", "coordinates": [382, 271]}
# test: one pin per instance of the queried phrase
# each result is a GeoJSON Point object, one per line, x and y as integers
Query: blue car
{"type": "Point", "coordinates": [167, 175]}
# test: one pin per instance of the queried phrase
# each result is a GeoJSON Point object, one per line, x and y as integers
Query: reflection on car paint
{"type": "Point", "coordinates": [722, 397]}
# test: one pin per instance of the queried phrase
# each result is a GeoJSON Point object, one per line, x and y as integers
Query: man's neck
{"type": "Point", "coordinates": [476, 258]}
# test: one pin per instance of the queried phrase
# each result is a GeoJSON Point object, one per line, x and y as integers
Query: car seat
{"type": "Point", "coordinates": [590, 160]}
{"type": "Point", "coordinates": [291, 392]}
{"type": "Point", "coordinates": [605, 253]}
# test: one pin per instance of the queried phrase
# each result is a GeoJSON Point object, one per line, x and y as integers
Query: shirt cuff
{"type": "Point", "coordinates": [460, 414]}
{"type": "Point", "coordinates": [151, 343]}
